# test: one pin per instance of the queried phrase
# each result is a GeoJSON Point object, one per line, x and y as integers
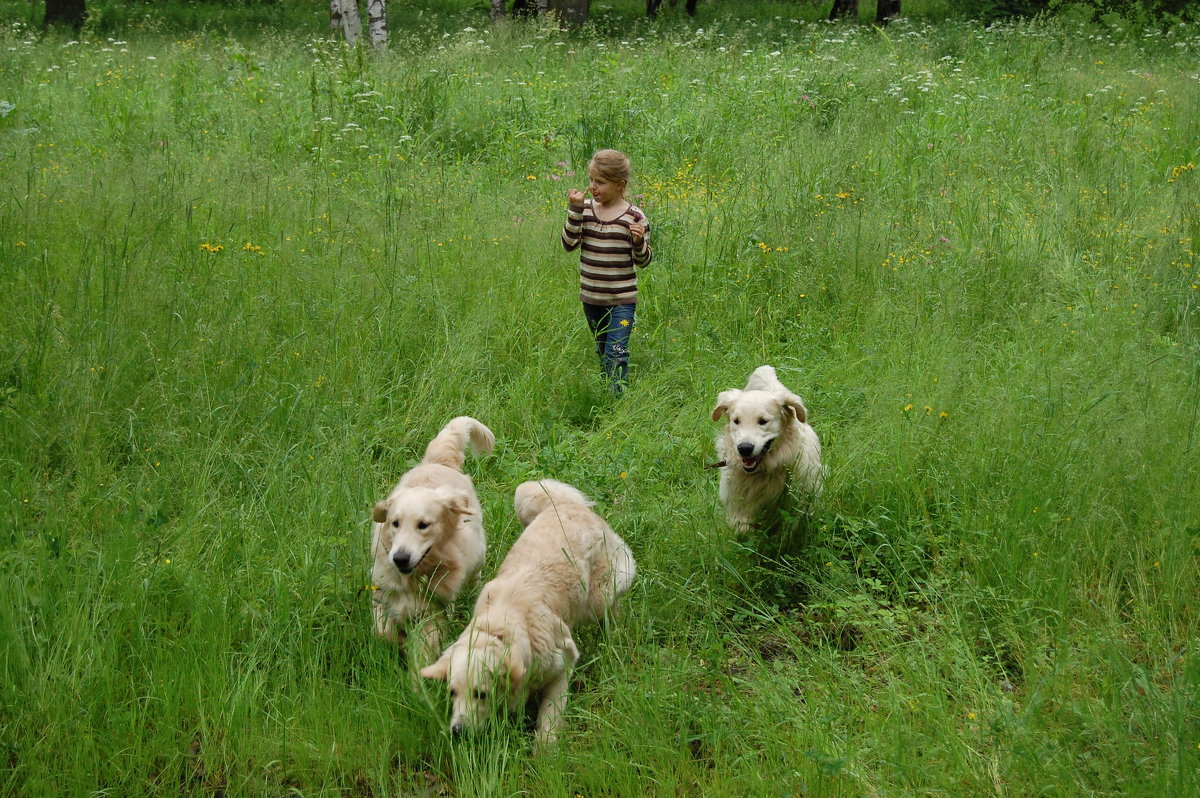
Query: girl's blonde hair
{"type": "Point", "coordinates": [612, 165]}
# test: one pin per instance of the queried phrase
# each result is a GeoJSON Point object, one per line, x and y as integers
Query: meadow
{"type": "Point", "coordinates": [249, 272]}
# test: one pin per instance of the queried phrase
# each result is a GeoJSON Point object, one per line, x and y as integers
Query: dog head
{"type": "Point", "coordinates": [484, 672]}
{"type": "Point", "coordinates": [414, 520]}
{"type": "Point", "coordinates": [533, 498]}
{"type": "Point", "coordinates": [756, 418]}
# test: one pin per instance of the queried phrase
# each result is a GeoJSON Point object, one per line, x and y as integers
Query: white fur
{"type": "Point", "coordinates": [566, 569]}
{"type": "Point", "coordinates": [428, 538]}
{"type": "Point", "coordinates": [765, 436]}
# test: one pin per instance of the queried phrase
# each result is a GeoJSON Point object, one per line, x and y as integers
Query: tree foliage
{"type": "Point", "coordinates": [999, 9]}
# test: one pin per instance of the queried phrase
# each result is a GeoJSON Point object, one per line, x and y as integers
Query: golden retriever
{"type": "Point", "coordinates": [765, 435]}
{"type": "Point", "coordinates": [428, 539]}
{"type": "Point", "coordinates": [567, 568]}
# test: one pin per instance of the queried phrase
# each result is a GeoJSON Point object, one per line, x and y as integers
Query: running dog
{"type": "Point", "coordinates": [765, 436]}
{"type": "Point", "coordinates": [428, 539]}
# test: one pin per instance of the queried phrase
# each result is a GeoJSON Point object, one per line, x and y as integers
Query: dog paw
{"type": "Point", "coordinates": [544, 741]}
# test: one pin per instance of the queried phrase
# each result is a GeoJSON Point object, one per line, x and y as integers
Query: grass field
{"type": "Point", "coordinates": [248, 273]}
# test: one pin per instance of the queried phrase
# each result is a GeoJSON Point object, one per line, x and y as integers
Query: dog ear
{"type": "Point", "coordinates": [516, 671]}
{"type": "Point", "coordinates": [570, 651]}
{"type": "Point", "coordinates": [439, 669]}
{"type": "Point", "coordinates": [724, 400]}
{"type": "Point", "coordinates": [796, 405]}
{"type": "Point", "coordinates": [379, 514]}
{"type": "Point", "coordinates": [455, 500]}
{"type": "Point", "coordinates": [518, 655]}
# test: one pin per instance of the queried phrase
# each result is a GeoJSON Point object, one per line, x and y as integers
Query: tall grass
{"type": "Point", "coordinates": [248, 276]}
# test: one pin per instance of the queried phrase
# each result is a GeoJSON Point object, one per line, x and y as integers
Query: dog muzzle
{"type": "Point", "coordinates": [751, 464]}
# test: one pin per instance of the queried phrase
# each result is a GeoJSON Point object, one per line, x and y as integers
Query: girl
{"type": "Point", "coordinates": [613, 237]}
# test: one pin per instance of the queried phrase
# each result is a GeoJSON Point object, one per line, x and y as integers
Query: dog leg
{"type": "Point", "coordinates": [385, 625]}
{"type": "Point", "coordinates": [554, 698]}
{"type": "Point", "coordinates": [734, 499]}
{"type": "Point", "coordinates": [739, 518]}
{"type": "Point", "coordinates": [425, 639]}
{"type": "Point", "coordinates": [550, 709]}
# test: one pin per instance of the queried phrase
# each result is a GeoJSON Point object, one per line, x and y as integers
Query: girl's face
{"type": "Point", "coordinates": [603, 190]}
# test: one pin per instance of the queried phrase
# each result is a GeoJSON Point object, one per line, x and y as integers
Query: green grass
{"type": "Point", "coordinates": [249, 273]}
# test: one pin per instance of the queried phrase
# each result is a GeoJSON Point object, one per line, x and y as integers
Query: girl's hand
{"type": "Point", "coordinates": [575, 197]}
{"type": "Point", "coordinates": [637, 232]}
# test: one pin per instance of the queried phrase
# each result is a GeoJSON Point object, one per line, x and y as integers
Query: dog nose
{"type": "Point", "coordinates": [403, 562]}
{"type": "Point", "coordinates": [745, 449]}
{"type": "Point", "coordinates": [456, 728]}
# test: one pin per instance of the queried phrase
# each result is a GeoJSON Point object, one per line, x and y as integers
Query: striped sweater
{"type": "Point", "coordinates": [607, 257]}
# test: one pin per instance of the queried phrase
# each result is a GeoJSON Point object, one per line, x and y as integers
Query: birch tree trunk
{"type": "Point", "coordinates": [377, 22]}
{"type": "Point", "coordinates": [343, 16]}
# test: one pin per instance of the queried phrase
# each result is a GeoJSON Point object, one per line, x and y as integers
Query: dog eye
{"type": "Point", "coordinates": [423, 525]}
{"type": "Point", "coordinates": [480, 695]}
{"type": "Point", "coordinates": [396, 524]}
{"type": "Point", "coordinates": [737, 420]}
{"type": "Point", "coordinates": [762, 422]}
{"type": "Point", "coordinates": [453, 693]}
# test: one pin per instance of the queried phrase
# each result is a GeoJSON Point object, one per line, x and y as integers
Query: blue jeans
{"type": "Point", "coordinates": [612, 326]}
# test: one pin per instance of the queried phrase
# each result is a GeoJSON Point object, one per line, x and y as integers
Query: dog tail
{"type": "Point", "coordinates": [534, 498]}
{"type": "Point", "coordinates": [450, 445]}
{"type": "Point", "coordinates": [763, 379]}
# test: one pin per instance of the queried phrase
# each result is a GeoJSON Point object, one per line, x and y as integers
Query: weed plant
{"type": "Point", "coordinates": [249, 274]}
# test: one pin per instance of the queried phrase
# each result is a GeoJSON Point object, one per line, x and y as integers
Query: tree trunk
{"type": "Point", "coordinates": [886, 11]}
{"type": "Point", "coordinates": [652, 7]}
{"type": "Point", "coordinates": [572, 12]}
{"type": "Point", "coordinates": [844, 8]}
{"type": "Point", "coordinates": [343, 16]}
{"type": "Point", "coordinates": [377, 22]}
{"type": "Point", "coordinates": [520, 8]}
{"type": "Point", "coordinates": [71, 13]}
